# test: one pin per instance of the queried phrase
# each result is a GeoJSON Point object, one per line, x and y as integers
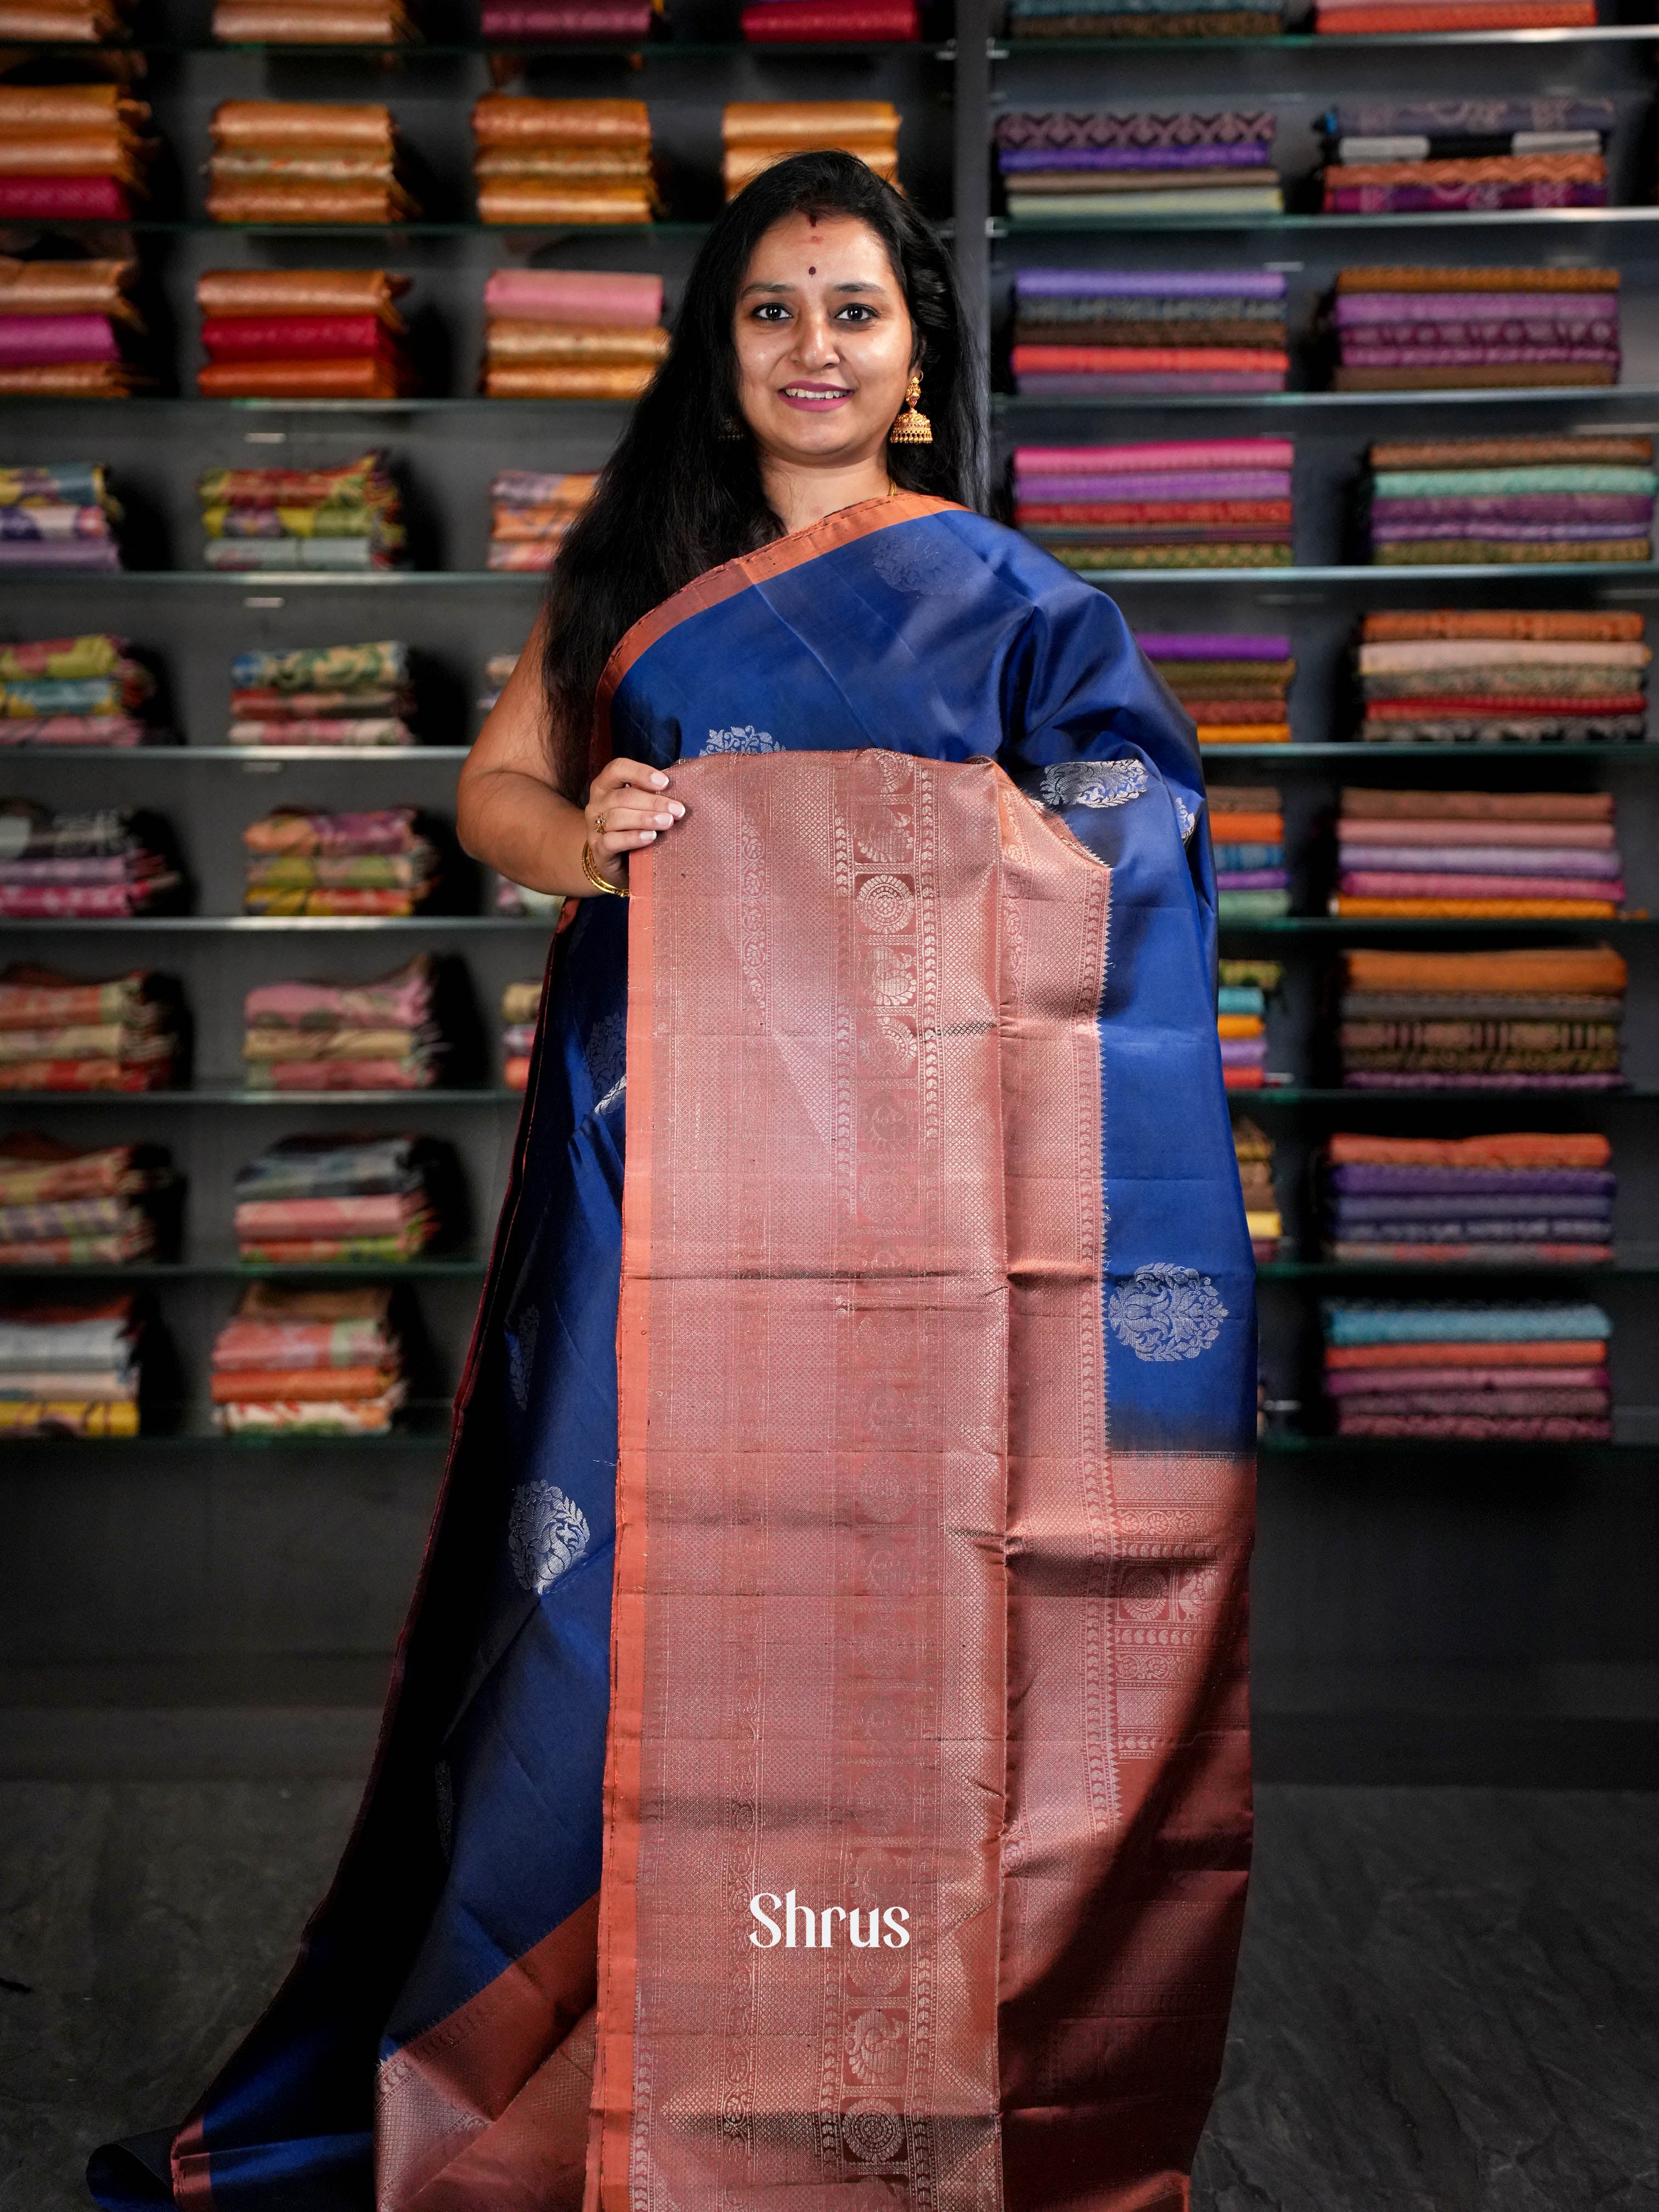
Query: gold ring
{"type": "Point", "coordinates": [598, 826]}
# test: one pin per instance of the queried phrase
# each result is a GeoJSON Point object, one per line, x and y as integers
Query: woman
{"type": "Point", "coordinates": [884, 1843]}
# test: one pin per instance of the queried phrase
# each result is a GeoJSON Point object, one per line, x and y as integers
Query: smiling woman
{"type": "Point", "coordinates": [850, 1494]}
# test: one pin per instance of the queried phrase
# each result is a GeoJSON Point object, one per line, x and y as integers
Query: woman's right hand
{"type": "Point", "coordinates": [626, 809]}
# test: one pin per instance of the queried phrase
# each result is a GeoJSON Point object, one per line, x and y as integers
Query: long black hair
{"type": "Point", "coordinates": [680, 493]}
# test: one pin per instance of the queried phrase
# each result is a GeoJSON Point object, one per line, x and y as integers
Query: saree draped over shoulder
{"type": "Point", "coordinates": [838, 1795]}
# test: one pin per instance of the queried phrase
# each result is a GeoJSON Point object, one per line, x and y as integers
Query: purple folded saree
{"type": "Point", "coordinates": [1253, 155]}
{"type": "Point", "coordinates": [1429, 1182]}
{"type": "Point", "coordinates": [1213, 645]}
{"type": "Point", "coordinates": [1049, 384]}
{"type": "Point", "coordinates": [1202, 484]}
{"type": "Point", "coordinates": [1483, 859]}
{"type": "Point", "coordinates": [1632, 508]}
{"type": "Point", "coordinates": [1148, 284]}
{"type": "Point", "coordinates": [1479, 357]}
{"type": "Point", "coordinates": [51, 340]}
{"type": "Point", "coordinates": [1440, 309]}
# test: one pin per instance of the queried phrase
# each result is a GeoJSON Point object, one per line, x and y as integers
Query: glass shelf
{"type": "Point", "coordinates": [1339, 926]}
{"type": "Point", "coordinates": [1304, 1094]}
{"type": "Point", "coordinates": [421, 1427]}
{"type": "Point", "coordinates": [290, 579]}
{"type": "Point", "coordinates": [998, 225]}
{"type": "Point", "coordinates": [252, 755]}
{"type": "Point", "coordinates": [1353, 750]}
{"type": "Point", "coordinates": [1006, 404]}
{"type": "Point", "coordinates": [1373, 576]}
{"type": "Point", "coordinates": [218, 1095]}
{"type": "Point", "coordinates": [1298, 42]}
{"type": "Point", "coordinates": [1343, 1271]}
{"type": "Point", "coordinates": [415, 50]}
{"type": "Point", "coordinates": [216, 925]}
{"type": "Point", "coordinates": [227, 1267]}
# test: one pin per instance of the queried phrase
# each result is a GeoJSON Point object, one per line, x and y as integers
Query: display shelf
{"type": "Point", "coordinates": [1365, 576]}
{"type": "Point", "coordinates": [283, 580]}
{"type": "Point", "coordinates": [1297, 1094]}
{"type": "Point", "coordinates": [218, 1095]}
{"type": "Point", "coordinates": [1640, 754]}
{"type": "Point", "coordinates": [228, 1268]}
{"type": "Point", "coordinates": [1302, 42]}
{"type": "Point", "coordinates": [248, 756]}
{"type": "Point", "coordinates": [313, 925]}
{"type": "Point", "coordinates": [422, 1426]}
{"type": "Point", "coordinates": [1014, 406]}
{"type": "Point", "coordinates": [1016, 226]}
{"type": "Point", "coordinates": [1341, 926]}
{"type": "Point", "coordinates": [417, 50]}
{"type": "Point", "coordinates": [1464, 1272]}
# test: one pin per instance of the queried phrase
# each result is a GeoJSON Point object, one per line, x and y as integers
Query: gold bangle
{"type": "Point", "coordinates": [593, 875]}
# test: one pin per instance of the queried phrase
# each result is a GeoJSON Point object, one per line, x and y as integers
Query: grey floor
{"type": "Point", "coordinates": [1450, 1999]}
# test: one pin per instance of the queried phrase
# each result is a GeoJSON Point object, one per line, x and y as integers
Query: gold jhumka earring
{"type": "Point", "coordinates": [912, 428]}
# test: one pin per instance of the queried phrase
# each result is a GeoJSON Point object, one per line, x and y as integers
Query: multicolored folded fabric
{"type": "Point", "coordinates": [320, 1200]}
{"type": "Point", "coordinates": [72, 152]}
{"type": "Point", "coordinates": [329, 1362]}
{"type": "Point", "coordinates": [1544, 1019]}
{"type": "Point", "coordinates": [71, 1368]}
{"type": "Point", "coordinates": [1510, 501]}
{"type": "Point", "coordinates": [328, 694]}
{"type": "Point", "coordinates": [756, 133]}
{"type": "Point", "coordinates": [1242, 992]}
{"type": "Point", "coordinates": [342, 519]}
{"type": "Point", "coordinates": [1467, 1371]}
{"type": "Point", "coordinates": [1414, 157]}
{"type": "Point", "coordinates": [576, 334]}
{"type": "Point", "coordinates": [529, 514]}
{"type": "Point", "coordinates": [58, 1033]}
{"type": "Point", "coordinates": [1448, 677]}
{"type": "Point", "coordinates": [76, 691]}
{"type": "Point", "coordinates": [1087, 332]}
{"type": "Point", "coordinates": [563, 160]}
{"type": "Point", "coordinates": [1466, 329]}
{"type": "Point", "coordinates": [520, 1005]}
{"type": "Point", "coordinates": [1236, 685]}
{"type": "Point", "coordinates": [85, 867]}
{"type": "Point", "coordinates": [60, 1207]}
{"type": "Point", "coordinates": [286, 160]}
{"type": "Point", "coordinates": [1255, 1151]}
{"type": "Point", "coordinates": [266, 335]}
{"type": "Point", "coordinates": [57, 515]}
{"type": "Point", "coordinates": [1523, 1200]}
{"type": "Point", "coordinates": [381, 862]}
{"type": "Point", "coordinates": [1062, 164]}
{"type": "Point", "coordinates": [1495, 856]}
{"type": "Point", "coordinates": [390, 1035]}
{"type": "Point", "coordinates": [1202, 503]}
{"type": "Point", "coordinates": [313, 23]}
{"type": "Point", "coordinates": [1247, 829]}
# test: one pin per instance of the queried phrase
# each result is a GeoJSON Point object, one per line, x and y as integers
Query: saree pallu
{"type": "Point", "coordinates": [932, 1360]}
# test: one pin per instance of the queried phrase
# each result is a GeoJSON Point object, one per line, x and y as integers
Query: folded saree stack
{"type": "Point", "coordinates": [1254, 1149]}
{"type": "Point", "coordinates": [346, 517]}
{"type": "Point", "coordinates": [70, 1368]}
{"type": "Point", "coordinates": [1057, 162]}
{"type": "Point", "coordinates": [302, 334]}
{"type": "Point", "coordinates": [1539, 1019]}
{"type": "Point", "coordinates": [529, 513]}
{"type": "Point", "coordinates": [1366, 18]}
{"type": "Point", "coordinates": [69, 330]}
{"type": "Point", "coordinates": [1247, 825]}
{"type": "Point", "coordinates": [1468, 1373]}
{"type": "Point", "coordinates": [380, 1036]}
{"type": "Point", "coordinates": [841, 22]}
{"type": "Point", "coordinates": [323, 695]}
{"type": "Point", "coordinates": [1242, 990]}
{"type": "Point", "coordinates": [313, 162]}
{"type": "Point", "coordinates": [58, 514]}
{"type": "Point", "coordinates": [563, 160]}
{"type": "Point", "coordinates": [755, 133]}
{"type": "Point", "coordinates": [1088, 333]}
{"type": "Point", "coordinates": [76, 691]}
{"type": "Point", "coordinates": [1455, 156]}
{"type": "Point", "coordinates": [1518, 1200]}
{"type": "Point", "coordinates": [520, 1003]}
{"type": "Point", "coordinates": [1190, 503]}
{"type": "Point", "coordinates": [1141, 19]}
{"type": "Point", "coordinates": [317, 1201]}
{"type": "Point", "coordinates": [1584, 496]}
{"type": "Point", "coordinates": [58, 1033]}
{"type": "Point", "coordinates": [72, 153]}
{"type": "Point", "coordinates": [314, 23]}
{"type": "Point", "coordinates": [1478, 855]}
{"type": "Point", "coordinates": [571, 334]}
{"type": "Point", "coordinates": [1460, 329]}
{"type": "Point", "coordinates": [1236, 685]}
{"type": "Point", "coordinates": [566, 22]}
{"type": "Point", "coordinates": [323, 1362]}
{"type": "Point", "coordinates": [102, 1207]}
{"type": "Point", "coordinates": [97, 866]}
{"type": "Point", "coordinates": [375, 863]}
{"type": "Point", "coordinates": [1497, 676]}
{"type": "Point", "coordinates": [66, 23]}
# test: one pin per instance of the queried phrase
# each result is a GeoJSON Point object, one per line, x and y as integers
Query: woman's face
{"type": "Point", "coordinates": [823, 340]}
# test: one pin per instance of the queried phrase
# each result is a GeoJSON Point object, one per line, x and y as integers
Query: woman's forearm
{"type": "Point", "coordinates": [520, 824]}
